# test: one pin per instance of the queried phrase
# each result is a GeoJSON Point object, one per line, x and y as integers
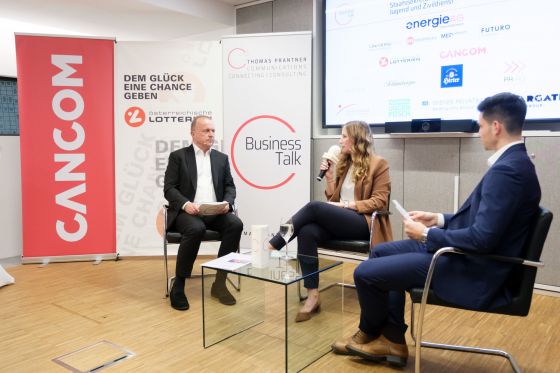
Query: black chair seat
{"type": "Point", "coordinates": [358, 246]}
{"type": "Point", "coordinates": [175, 237]}
{"type": "Point", "coordinates": [355, 246]}
{"type": "Point", "coordinates": [416, 297]}
{"type": "Point", "coordinates": [519, 306]}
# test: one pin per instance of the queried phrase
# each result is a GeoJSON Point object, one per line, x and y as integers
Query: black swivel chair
{"type": "Point", "coordinates": [520, 283]}
{"type": "Point", "coordinates": [173, 237]}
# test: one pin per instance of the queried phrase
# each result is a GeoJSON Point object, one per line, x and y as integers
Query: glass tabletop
{"type": "Point", "coordinates": [280, 270]}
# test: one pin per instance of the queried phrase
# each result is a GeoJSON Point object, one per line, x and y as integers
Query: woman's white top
{"type": "Point", "coordinates": [347, 189]}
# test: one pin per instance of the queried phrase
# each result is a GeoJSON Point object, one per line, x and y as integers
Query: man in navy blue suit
{"type": "Point", "coordinates": [495, 219]}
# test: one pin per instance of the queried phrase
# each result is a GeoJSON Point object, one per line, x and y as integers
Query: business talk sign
{"type": "Point", "coordinates": [266, 152]}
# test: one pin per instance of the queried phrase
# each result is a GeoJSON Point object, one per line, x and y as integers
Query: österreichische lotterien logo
{"type": "Point", "coordinates": [451, 76]}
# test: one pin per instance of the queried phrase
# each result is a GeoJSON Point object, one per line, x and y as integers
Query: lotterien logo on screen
{"type": "Point", "coordinates": [451, 76]}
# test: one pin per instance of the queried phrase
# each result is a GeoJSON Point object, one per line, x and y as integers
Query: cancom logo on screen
{"type": "Point", "coordinates": [435, 22]}
{"type": "Point", "coordinates": [266, 152]}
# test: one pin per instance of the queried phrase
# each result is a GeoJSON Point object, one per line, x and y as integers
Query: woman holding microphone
{"type": "Point", "coordinates": [356, 187]}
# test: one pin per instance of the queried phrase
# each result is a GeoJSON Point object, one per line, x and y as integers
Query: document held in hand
{"type": "Point", "coordinates": [211, 208]}
{"type": "Point", "coordinates": [401, 209]}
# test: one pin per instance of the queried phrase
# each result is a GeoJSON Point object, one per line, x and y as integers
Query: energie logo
{"type": "Point", "coordinates": [434, 22]}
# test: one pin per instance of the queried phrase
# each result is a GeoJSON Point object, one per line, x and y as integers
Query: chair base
{"type": "Point", "coordinates": [471, 349]}
{"type": "Point", "coordinates": [477, 350]}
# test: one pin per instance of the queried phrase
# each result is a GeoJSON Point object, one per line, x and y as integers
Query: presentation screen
{"type": "Point", "coordinates": [395, 61]}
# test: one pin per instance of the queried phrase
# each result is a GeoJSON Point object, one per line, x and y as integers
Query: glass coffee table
{"type": "Point", "coordinates": [263, 319]}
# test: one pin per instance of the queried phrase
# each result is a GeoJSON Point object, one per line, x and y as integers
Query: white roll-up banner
{"type": "Point", "coordinates": [159, 88]}
{"type": "Point", "coordinates": [267, 124]}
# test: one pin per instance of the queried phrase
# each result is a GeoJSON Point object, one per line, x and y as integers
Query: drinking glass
{"type": "Point", "coordinates": [286, 231]}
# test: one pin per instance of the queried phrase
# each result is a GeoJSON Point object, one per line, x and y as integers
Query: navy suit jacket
{"type": "Point", "coordinates": [180, 180]}
{"type": "Point", "coordinates": [495, 219]}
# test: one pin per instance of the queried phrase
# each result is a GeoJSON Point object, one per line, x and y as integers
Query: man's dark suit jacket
{"type": "Point", "coordinates": [181, 178]}
{"type": "Point", "coordinates": [495, 219]}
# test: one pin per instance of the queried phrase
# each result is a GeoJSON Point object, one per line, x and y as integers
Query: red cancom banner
{"type": "Point", "coordinates": [65, 93]}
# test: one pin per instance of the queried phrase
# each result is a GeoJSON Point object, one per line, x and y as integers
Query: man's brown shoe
{"type": "Point", "coordinates": [339, 347]}
{"type": "Point", "coordinates": [381, 349]}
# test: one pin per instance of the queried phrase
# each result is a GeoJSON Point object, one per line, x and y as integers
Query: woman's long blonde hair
{"type": "Point", "coordinates": [362, 148]}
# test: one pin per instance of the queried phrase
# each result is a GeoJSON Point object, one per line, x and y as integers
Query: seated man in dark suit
{"type": "Point", "coordinates": [495, 219]}
{"type": "Point", "coordinates": [197, 174]}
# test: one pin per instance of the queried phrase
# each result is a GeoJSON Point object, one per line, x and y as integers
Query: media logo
{"type": "Point", "coordinates": [412, 40]}
{"type": "Point", "coordinates": [449, 35]}
{"type": "Point", "coordinates": [462, 52]}
{"type": "Point", "coordinates": [341, 108]}
{"type": "Point", "coordinates": [399, 108]}
{"type": "Point", "coordinates": [399, 83]}
{"type": "Point", "coordinates": [435, 22]}
{"type": "Point", "coordinates": [513, 72]}
{"type": "Point", "coordinates": [135, 116]}
{"type": "Point", "coordinates": [378, 46]}
{"type": "Point", "coordinates": [383, 61]}
{"type": "Point", "coordinates": [543, 97]}
{"type": "Point", "coordinates": [343, 14]}
{"type": "Point", "coordinates": [494, 29]}
{"type": "Point", "coordinates": [399, 60]}
{"type": "Point", "coordinates": [514, 67]}
{"type": "Point", "coordinates": [451, 76]}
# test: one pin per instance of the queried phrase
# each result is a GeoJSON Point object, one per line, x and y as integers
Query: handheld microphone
{"type": "Point", "coordinates": [331, 155]}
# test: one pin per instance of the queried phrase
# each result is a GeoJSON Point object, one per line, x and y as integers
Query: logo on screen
{"type": "Point", "coordinates": [451, 76]}
{"type": "Point", "coordinates": [493, 29]}
{"type": "Point", "coordinates": [435, 22]}
{"type": "Point", "coordinates": [344, 14]}
{"type": "Point", "coordinates": [462, 52]}
{"type": "Point", "coordinates": [543, 97]}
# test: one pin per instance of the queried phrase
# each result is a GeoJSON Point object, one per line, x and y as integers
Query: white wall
{"type": "Point", "coordinates": [142, 20]}
{"type": "Point", "coordinates": [10, 197]}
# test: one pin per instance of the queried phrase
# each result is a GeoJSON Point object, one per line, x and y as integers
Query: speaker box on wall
{"type": "Point", "coordinates": [426, 125]}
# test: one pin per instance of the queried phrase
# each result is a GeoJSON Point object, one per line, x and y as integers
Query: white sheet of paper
{"type": "Point", "coordinates": [231, 261]}
{"type": "Point", "coordinates": [211, 208]}
{"type": "Point", "coordinates": [401, 210]}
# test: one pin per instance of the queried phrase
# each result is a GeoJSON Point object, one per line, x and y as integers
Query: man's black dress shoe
{"type": "Point", "coordinates": [178, 299]}
{"type": "Point", "coordinates": [221, 292]}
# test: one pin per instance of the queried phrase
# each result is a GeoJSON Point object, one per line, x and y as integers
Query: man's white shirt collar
{"type": "Point", "coordinates": [197, 150]}
{"type": "Point", "coordinates": [501, 151]}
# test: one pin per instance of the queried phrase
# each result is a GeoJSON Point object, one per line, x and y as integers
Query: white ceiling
{"type": "Point", "coordinates": [125, 19]}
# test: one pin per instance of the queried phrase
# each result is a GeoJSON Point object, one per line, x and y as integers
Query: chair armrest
{"type": "Point", "coordinates": [453, 250]}
{"type": "Point", "coordinates": [500, 258]}
{"type": "Point", "coordinates": [165, 208]}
